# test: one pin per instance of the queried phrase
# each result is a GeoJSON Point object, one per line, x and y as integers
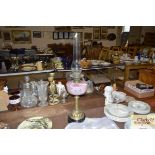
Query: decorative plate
{"type": "Point", "coordinates": [117, 112]}
{"type": "Point", "coordinates": [139, 107]}
{"type": "Point", "coordinates": [127, 125]}
{"type": "Point", "coordinates": [36, 123]}
{"type": "Point", "coordinates": [111, 36]}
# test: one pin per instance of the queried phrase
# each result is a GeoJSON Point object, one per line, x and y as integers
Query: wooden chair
{"type": "Point", "coordinates": [115, 48]}
{"type": "Point", "coordinates": [103, 54]}
{"type": "Point", "coordinates": [132, 51]}
{"type": "Point", "coordinates": [93, 52]}
{"type": "Point", "coordinates": [124, 49]}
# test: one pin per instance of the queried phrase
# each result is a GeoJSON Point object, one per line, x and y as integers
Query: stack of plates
{"type": "Point", "coordinates": [105, 63]}
{"type": "Point", "coordinates": [117, 112]}
{"type": "Point", "coordinates": [139, 107]}
{"type": "Point", "coordinates": [36, 123]}
{"type": "Point", "coordinates": [28, 67]}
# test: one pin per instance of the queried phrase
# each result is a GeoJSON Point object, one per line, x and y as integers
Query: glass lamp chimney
{"type": "Point", "coordinates": [76, 52]}
{"type": "Point", "coordinates": [75, 67]}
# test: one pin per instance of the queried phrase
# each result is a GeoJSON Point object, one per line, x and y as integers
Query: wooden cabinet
{"type": "Point", "coordinates": [147, 76]}
{"type": "Point", "coordinates": [149, 39]}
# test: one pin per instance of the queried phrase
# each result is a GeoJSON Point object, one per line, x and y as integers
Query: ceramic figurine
{"type": "Point", "coordinates": [108, 95]}
{"type": "Point", "coordinates": [61, 90]}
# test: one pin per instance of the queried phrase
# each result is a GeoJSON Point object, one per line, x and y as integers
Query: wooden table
{"type": "Point", "coordinates": [92, 105]}
{"type": "Point", "coordinates": [134, 67]}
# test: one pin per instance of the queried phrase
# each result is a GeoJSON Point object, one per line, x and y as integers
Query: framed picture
{"type": "Point", "coordinates": [96, 32]}
{"type": "Point", "coordinates": [6, 36]}
{"type": "Point", "coordinates": [81, 36]}
{"type": "Point", "coordinates": [77, 27]}
{"type": "Point", "coordinates": [62, 28]}
{"type": "Point", "coordinates": [104, 29]}
{"type": "Point", "coordinates": [0, 34]}
{"type": "Point", "coordinates": [66, 35]}
{"type": "Point", "coordinates": [21, 36]}
{"type": "Point", "coordinates": [111, 27]}
{"type": "Point", "coordinates": [61, 35]}
{"type": "Point", "coordinates": [104, 36]}
{"type": "Point", "coordinates": [71, 35]}
{"type": "Point", "coordinates": [104, 32]}
{"type": "Point", "coordinates": [88, 36]}
{"type": "Point", "coordinates": [55, 35]}
{"type": "Point", "coordinates": [36, 34]}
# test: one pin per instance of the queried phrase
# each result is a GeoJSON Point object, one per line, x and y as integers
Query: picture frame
{"type": "Point", "coordinates": [77, 27]}
{"type": "Point", "coordinates": [62, 28]}
{"type": "Point", "coordinates": [104, 29]}
{"type": "Point", "coordinates": [81, 36]}
{"type": "Point", "coordinates": [60, 35]}
{"type": "Point", "coordinates": [87, 36]}
{"type": "Point", "coordinates": [37, 34]}
{"type": "Point", "coordinates": [66, 35]}
{"type": "Point", "coordinates": [6, 36]}
{"type": "Point", "coordinates": [96, 33]}
{"type": "Point", "coordinates": [55, 36]}
{"type": "Point", "coordinates": [104, 36]}
{"type": "Point", "coordinates": [111, 27]}
{"type": "Point", "coordinates": [0, 34]}
{"type": "Point", "coordinates": [71, 35]}
{"type": "Point", "coordinates": [104, 32]}
{"type": "Point", "coordinates": [21, 36]}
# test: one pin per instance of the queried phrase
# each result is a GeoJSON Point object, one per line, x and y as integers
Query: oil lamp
{"type": "Point", "coordinates": [76, 86]}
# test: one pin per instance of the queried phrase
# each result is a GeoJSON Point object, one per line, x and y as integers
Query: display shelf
{"type": "Point", "coordinates": [25, 73]}
{"type": "Point", "coordinates": [56, 70]}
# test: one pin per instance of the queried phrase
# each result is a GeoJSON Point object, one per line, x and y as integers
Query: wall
{"type": "Point", "coordinates": [137, 33]}
{"type": "Point", "coordinates": [146, 29]}
{"type": "Point", "coordinates": [47, 36]}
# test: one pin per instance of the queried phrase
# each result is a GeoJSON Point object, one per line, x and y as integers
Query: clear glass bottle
{"type": "Point", "coordinates": [28, 99]}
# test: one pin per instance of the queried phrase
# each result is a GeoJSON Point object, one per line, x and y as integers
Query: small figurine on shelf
{"type": "Point", "coordinates": [52, 86]}
{"type": "Point", "coordinates": [61, 90]}
{"type": "Point", "coordinates": [108, 95]}
{"type": "Point", "coordinates": [116, 58]}
{"type": "Point", "coordinates": [53, 96]}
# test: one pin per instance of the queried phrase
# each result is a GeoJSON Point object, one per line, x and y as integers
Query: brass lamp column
{"type": "Point", "coordinates": [77, 115]}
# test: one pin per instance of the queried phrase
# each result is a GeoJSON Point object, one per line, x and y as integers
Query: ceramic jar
{"type": "Point", "coordinates": [14, 103]}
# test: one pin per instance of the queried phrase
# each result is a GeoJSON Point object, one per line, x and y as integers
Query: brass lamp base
{"type": "Point", "coordinates": [76, 116]}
